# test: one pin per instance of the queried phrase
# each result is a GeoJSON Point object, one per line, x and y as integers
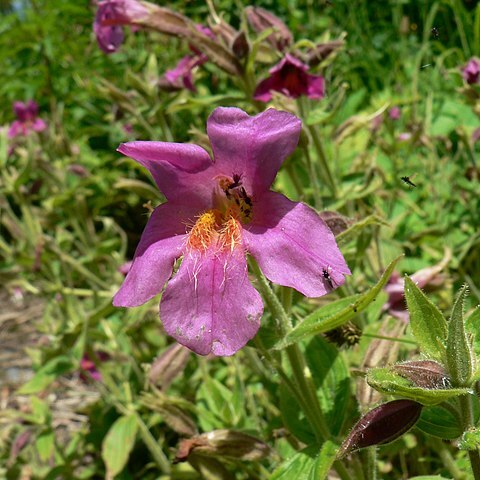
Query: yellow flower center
{"type": "Point", "coordinates": [221, 226]}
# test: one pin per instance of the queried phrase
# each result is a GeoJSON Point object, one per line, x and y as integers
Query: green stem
{"type": "Point", "coordinates": [157, 453]}
{"type": "Point", "coordinates": [448, 460]}
{"type": "Point", "coordinates": [468, 422]}
{"type": "Point", "coordinates": [300, 371]}
{"type": "Point", "coordinates": [322, 158]}
{"type": "Point", "coordinates": [371, 463]}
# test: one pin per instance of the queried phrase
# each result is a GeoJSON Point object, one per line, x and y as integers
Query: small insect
{"type": "Point", "coordinates": [426, 65]}
{"type": "Point", "coordinates": [327, 277]}
{"type": "Point", "coordinates": [435, 33]}
{"type": "Point", "coordinates": [237, 181]}
{"type": "Point", "coordinates": [408, 181]}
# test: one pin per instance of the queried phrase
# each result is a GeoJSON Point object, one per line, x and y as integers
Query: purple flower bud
{"type": "Point", "coordinates": [382, 425]}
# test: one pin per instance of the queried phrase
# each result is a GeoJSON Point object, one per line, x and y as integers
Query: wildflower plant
{"type": "Point", "coordinates": [268, 278]}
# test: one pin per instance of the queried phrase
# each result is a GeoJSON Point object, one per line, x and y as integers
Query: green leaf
{"type": "Point", "coordinates": [472, 324]}
{"type": "Point", "coordinates": [118, 444]}
{"type": "Point", "coordinates": [336, 313]}
{"type": "Point", "coordinates": [45, 445]}
{"type": "Point", "coordinates": [332, 379]}
{"type": "Point", "coordinates": [324, 462]}
{"type": "Point", "coordinates": [440, 421]}
{"type": "Point", "coordinates": [46, 375]}
{"type": "Point", "coordinates": [470, 440]}
{"type": "Point", "coordinates": [428, 324]}
{"type": "Point", "coordinates": [459, 351]}
{"type": "Point", "coordinates": [385, 381]}
{"type": "Point", "coordinates": [299, 467]}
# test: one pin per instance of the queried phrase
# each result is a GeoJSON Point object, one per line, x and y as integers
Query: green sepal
{"type": "Point", "coordinates": [428, 324]}
{"type": "Point", "coordinates": [470, 440]}
{"type": "Point", "coordinates": [460, 360]}
{"type": "Point", "coordinates": [385, 381]}
{"type": "Point", "coordinates": [336, 313]}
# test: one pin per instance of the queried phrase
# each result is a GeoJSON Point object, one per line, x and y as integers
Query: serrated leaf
{"type": "Point", "coordinates": [428, 324]}
{"type": "Point", "coordinates": [118, 444]}
{"type": "Point", "coordinates": [385, 381]}
{"type": "Point", "coordinates": [336, 313]}
{"type": "Point", "coordinates": [459, 351]}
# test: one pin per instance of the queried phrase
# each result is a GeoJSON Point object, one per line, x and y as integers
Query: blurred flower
{"type": "Point", "coordinates": [426, 277]}
{"type": "Point", "coordinates": [394, 113]}
{"type": "Point", "coordinates": [88, 368]}
{"type": "Point", "coordinates": [181, 76]}
{"type": "Point", "coordinates": [124, 268]}
{"type": "Point", "coordinates": [476, 135]}
{"type": "Point", "coordinates": [404, 136]}
{"type": "Point", "coordinates": [471, 72]}
{"type": "Point", "coordinates": [111, 15]}
{"type": "Point", "coordinates": [290, 77]}
{"type": "Point", "coordinates": [261, 19]}
{"type": "Point", "coordinates": [376, 122]}
{"type": "Point", "coordinates": [27, 119]}
{"type": "Point", "coordinates": [210, 305]}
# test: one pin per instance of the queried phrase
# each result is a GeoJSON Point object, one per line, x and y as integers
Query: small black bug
{"type": "Point", "coordinates": [408, 181]}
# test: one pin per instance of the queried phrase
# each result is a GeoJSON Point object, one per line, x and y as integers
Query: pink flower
{"type": "Point", "coordinates": [290, 77]}
{"type": "Point", "coordinates": [426, 277]}
{"type": "Point", "coordinates": [27, 119]}
{"type": "Point", "coordinates": [111, 15]}
{"type": "Point", "coordinates": [394, 113]}
{"type": "Point", "coordinates": [181, 76]}
{"type": "Point", "coordinates": [471, 72]}
{"type": "Point", "coordinates": [88, 368]}
{"type": "Point", "coordinates": [217, 212]}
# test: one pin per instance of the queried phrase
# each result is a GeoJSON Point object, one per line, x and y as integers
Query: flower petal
{"type": "Point", "coordinates": [210, 305]}
{"type": "Point", "coordinates": [39, 125]}
{"type": "Point", "coordinates": [252, 146]}
{"type": "Point", "coordinates": [315, 86]}
{"type": "Point", "coordinates": [161, 244]}
{"type": "Point", "coordinates": [183, 172]}
{"type": "Point", "coordinates": [294, 247]}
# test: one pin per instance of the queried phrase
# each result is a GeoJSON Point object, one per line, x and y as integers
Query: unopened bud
{"type": "Point", "coordinates": [322, 51]}
{"type": "Point", "coordinates": [382, 425]}
{"type": "Point", "coordinates": [261, 19]}
{"type": "Point", "coordinates": [223, 443]}
{"type": "Point", "coordinates": [336, 222]}
{"type": "Point", "coordinates": [240, 46]}
{"type": "Point", "coordinates": [424, 374]}
{"type": "Point", "coordinates": [168, 365]}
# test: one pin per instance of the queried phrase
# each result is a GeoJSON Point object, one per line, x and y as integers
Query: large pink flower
{"type": "Point", "coordinates": [27, 119]}
{"type": "Point", "coordinates": [291, 78]}
{"type": "Point", "coordinates": [216, 212]}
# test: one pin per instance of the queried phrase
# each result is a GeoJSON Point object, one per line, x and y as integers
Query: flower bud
{"type": "Point", "coordinates": [424, 374]}
{"type": "Point", "coordinates": [382, 425]}
{"type": "Point", "coordinates": [223, 443]}
{"type": "Point", "coordinates": [261, 19]}
{"type": "Point", "coordinates": [168, 365]}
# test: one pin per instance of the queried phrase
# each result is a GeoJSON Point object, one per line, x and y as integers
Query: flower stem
{"type": "Point", "coordinates": [317, 143]}
{"type": "Point", "coordinates": [468, 422]}
{"type": "Point", "coordinates": [300, 371]}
